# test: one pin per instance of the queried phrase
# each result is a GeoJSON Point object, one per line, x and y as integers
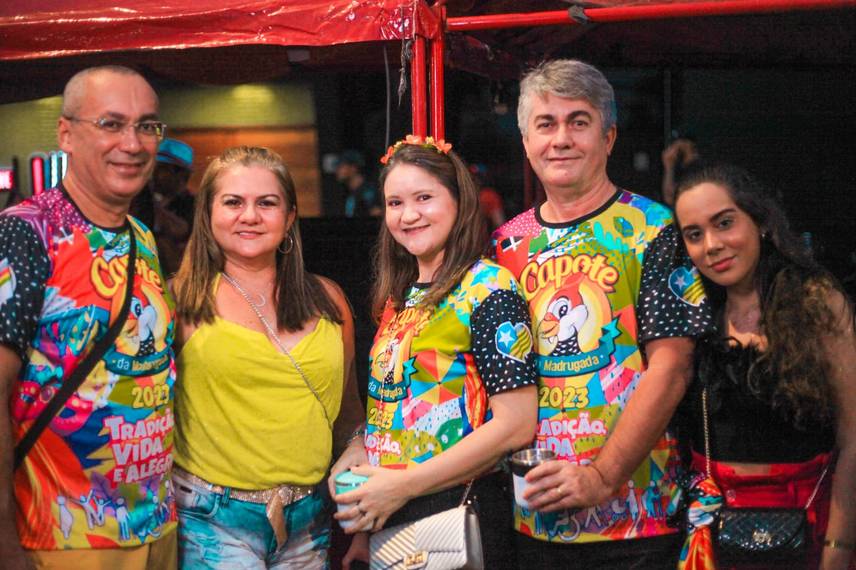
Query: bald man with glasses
{"type": "Point", "coordinates": [86, 360]}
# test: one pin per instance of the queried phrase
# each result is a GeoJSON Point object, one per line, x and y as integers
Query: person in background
{"type": "Point", "coordinates": [779, 375]}
{"type": "Point", "coordinates": [451, 365]}
{"type": "Point", "coordinates": [362, 196]}
{"type": "Point", "coordinates": [679, 155]}
{"type": "Point", "coordinates": [268, 387]}
{"type": "Point", "coordinates": [94, 491]}
{"type": "Point", "coordinates": [166, 205]}
{"type": "Point", "coordinates": [173, 201]}
{"type": "Point", "coordinates": [490, 202]}
{"type": "Point", "coordinates": [615, 310]}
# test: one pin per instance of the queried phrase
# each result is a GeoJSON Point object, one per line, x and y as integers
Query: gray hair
{"type": "Point", "coordinates": [75, 89]}
{"type": "Point", "coordinates": [569, 79]}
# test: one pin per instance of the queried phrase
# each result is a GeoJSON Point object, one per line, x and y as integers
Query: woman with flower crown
{"type": "Point", "coordinates": [268, 388]}
{"type": "Point", "coordinates": [452, 375]}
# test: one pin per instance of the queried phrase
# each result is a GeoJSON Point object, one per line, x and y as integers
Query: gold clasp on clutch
{"type": "Point", "coordinates": [762, 537]}
{"type": "Point", "coordinates": [416, 560]}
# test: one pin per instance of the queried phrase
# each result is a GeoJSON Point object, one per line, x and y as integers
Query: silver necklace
{"type": "Point", "coordinates": [275, 338]}
{"type": "Point", "coordinates": [234, 283]}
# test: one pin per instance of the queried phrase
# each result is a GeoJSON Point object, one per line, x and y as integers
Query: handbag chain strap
{"type": "Point", "coordinates": [706, 427]}
{"type": "Point", "coordinates": [466, 493]}
{"type": "Point", "coordinates": [275, 338]}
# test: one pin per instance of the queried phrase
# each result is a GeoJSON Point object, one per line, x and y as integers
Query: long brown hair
{"type": "Point", "coordinates": [793, 290]}
{"type": "Point", "coordinates": [299, 295]}
{"type": "Point", "coordinates": [395, 268]}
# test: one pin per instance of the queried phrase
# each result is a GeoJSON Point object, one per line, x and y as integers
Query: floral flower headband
{"type": "Point", "coordinates": [439, 145]}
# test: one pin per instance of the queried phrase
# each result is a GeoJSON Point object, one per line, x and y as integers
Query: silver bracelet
{"type": "Point", "coordinates": [358, 434]}
{"type": "Point", "coordinates": [842, 544]}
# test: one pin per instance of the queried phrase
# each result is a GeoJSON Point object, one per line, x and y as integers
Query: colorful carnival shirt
{"type": "Point", "coordinates": [432, 370]}
{"type": "Point", "coordinates": [599, 288]}
{"type": "Point", "coordinates": [98, 477]}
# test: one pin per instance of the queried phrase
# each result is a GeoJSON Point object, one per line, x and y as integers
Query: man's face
{"type": "Point", "coordinates": [345, 171]}
{"type": "Point", "coordinates": [566, 145]}
{"type": "Point", "coordinates": [170, 179]}
{"type": "Point", "coordinates": [111, 167]}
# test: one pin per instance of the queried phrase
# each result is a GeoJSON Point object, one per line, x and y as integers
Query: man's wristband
{"type": "Point", "coordinates": [842, 544]}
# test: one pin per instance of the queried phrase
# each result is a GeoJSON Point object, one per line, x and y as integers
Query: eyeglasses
{"type": "Point", "coordinates": [145, 129]}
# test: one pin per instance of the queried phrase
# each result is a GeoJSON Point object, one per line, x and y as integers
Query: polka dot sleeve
{"type": "Point", "coordinates": [502, 342]}
{"type": "Point", "coordinates": [671, 302]}
{"type": "Point", "coordinates": [24, 268]}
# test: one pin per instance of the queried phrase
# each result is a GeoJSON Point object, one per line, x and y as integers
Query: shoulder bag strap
{"type": "Point", "coordinates": [275, 338]}
{"type": "Point", "coordinates": [73, 382]}
{"type": "Point", "coordinates": [467, 490]}
{"type": "Point", "coordinates": [706, 428]}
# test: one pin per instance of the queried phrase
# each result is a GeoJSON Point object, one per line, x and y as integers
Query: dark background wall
{"type": "Point", "coordinates": [792, 127]}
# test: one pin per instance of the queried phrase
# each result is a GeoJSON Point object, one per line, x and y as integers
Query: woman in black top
{"type": "Point", "coordinates": [780, 375]}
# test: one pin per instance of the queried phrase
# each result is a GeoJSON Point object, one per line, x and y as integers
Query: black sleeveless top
{"type": "Point", "coordinates": [744, 425]}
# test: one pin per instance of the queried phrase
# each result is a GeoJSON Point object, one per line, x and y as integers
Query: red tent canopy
{"type": "Point", "coordinates": [42, 42]}
{"type": "Point", "coordinates": [54, 28]}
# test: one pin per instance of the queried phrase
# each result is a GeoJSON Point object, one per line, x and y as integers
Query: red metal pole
{"type": "Point", "coordinates": [730, 7]}
{"type": "Point", "coordinates": [498, 21]}
{"type": "Point", "coordinates": [419, 88]}
{"type": "Point", "coordinates": [438, 79]}
{"type": "Point", "coordinates": [642, 12]}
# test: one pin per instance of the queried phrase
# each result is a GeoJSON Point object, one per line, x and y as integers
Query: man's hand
{"type": "Point", "coordinates": [680, 152]}
{"type": "Point", "coordinates": [558, 485]}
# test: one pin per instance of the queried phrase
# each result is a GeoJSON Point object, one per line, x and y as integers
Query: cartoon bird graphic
{"type": "Point", "coordinates": [565, 316]}
{"type": "Point", "coordinates": [387, 361]}
{"type": "Point", "coordinates": [139, 339]}
{"type": "Point", "coordinates": [146, 325]}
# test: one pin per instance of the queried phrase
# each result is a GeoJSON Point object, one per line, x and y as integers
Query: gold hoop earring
{"type": "Point", "coordinates": [289, 247]}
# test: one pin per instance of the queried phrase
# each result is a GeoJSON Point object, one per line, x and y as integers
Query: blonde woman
{"type": "Point", "coordinates": [266, 369]}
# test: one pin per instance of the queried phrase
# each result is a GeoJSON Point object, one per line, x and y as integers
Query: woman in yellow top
{"type": "Point", "coordinates": [266, 366]}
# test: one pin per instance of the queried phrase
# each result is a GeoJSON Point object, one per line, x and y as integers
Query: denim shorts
{"type": "Point", "coordinates": [222, 533]}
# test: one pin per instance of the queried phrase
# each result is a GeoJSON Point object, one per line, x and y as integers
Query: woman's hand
{"type": "Point", "coordinates": [359, 550]}
{"type": "Point", "coordinates": [836, 559]}
{"type": "Point", "coordinates": [354, 455]}
{"type": "Point", "coordinates": [386, 491]}
{"type": "Point", "coordinates": [558, 485]}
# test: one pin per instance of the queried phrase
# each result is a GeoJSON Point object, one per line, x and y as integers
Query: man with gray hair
{"type": "Point", "coordinates": [86, 360]}
{"type": "Point", "coordinates": [615, 310]}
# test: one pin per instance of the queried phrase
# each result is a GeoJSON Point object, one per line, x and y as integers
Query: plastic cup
{"type": "Point", "coordinates": [521, 463]}
{"type": "Point", "coordinates": [347, 481]}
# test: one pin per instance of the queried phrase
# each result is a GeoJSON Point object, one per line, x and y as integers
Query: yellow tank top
{"type": "Point", "coordinates": [244, 416]}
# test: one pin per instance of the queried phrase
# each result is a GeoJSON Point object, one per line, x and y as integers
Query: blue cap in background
{"type": "Point", "coordinates": [351, 156]}
{"type": "Point", "coordinates": [172, 151]}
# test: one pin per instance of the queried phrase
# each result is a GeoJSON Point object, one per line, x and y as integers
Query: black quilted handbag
{"type": "Point", "coordinates": [757, 534]}
{"type": "Point", "coordinates": [761, 535]}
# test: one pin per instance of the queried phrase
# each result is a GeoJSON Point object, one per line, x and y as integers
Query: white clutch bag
{"type": "Point", "coordinates": [446, 541]}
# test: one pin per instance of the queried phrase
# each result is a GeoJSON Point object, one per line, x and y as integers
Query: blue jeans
{"type": "Point", "coordinates": [226, 534]}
